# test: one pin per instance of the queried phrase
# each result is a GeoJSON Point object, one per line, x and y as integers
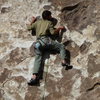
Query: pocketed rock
{"type": "Point", "coordinates": [82, 21]}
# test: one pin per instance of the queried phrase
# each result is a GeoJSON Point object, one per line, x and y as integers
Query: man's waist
{"type": "Point", "coordinates": [42, 37]}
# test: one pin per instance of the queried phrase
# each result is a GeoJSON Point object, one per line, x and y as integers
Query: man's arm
{"type": "Point", "coordinates": [55, 31]}
{"type": "Point", "coordinates": [33, 20]}
{"type": "Point", "coordinates": [30, 27]}
{"type": "Point", "coordinates": [32, 24]}
{"type": "Point", "coordinates": [58, 29]}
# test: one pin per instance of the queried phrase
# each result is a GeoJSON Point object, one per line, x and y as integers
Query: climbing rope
{"type": "Point", "coordinates": [45, 80]}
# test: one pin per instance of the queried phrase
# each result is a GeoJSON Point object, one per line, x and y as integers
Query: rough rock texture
{"type": "Point", "coordinates": [82, 20]}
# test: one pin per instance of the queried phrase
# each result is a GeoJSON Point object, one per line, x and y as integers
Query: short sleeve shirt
{"type": "Point", "coordinates": [42, 27]}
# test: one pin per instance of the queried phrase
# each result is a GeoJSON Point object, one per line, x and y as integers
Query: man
{"type": "Point", "coordinates": [44, 28]}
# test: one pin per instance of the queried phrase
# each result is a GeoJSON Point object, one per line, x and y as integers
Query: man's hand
{"type": "Point", "coordinates": [33, 19]}
{"type": "Point", "coordinates": [59, 28]}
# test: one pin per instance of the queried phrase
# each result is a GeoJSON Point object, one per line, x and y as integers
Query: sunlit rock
{"type": "Point", "coordinates": [81, 39]}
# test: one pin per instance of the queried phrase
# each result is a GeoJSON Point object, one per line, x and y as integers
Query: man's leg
{"type": "Point", "coordinates": [46, 55]}
{"type": "Point", "coordinates": [37, 64]}
{"type": "Point", "coordinates": [59, 48]}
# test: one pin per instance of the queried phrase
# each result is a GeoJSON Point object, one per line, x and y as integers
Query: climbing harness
{"type": "Point", "coordinates": [41, 44]}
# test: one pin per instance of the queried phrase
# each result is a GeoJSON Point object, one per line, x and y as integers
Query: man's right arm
{"type": "Point", "coordinates": [58, 29]}
{"type": "Point", "coordinates": [55, 31]}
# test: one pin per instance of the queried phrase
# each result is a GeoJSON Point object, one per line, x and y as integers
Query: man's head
{"type": "Point", "coordinates": [46, 15]}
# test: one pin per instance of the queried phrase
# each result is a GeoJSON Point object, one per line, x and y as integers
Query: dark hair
{"type": "Point", "coordinates": [46, 14]}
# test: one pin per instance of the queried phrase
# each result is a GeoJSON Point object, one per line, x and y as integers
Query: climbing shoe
{"type": "Point", "coordinates": [41, 77]}
{"type": "Point", "coordinates": [34, 82]}
{"type": "Point", "coordinates": [67, 67]}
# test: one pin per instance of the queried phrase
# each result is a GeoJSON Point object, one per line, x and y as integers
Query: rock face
{"type": "Point", "coordinates": [82, 20]}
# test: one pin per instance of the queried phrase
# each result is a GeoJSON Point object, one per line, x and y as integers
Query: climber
{"type": "Point", "coordinates": [44, 27]}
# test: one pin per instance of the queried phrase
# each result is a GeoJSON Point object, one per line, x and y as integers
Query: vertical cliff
{"type": "Point", "coordinates": [82, 21]}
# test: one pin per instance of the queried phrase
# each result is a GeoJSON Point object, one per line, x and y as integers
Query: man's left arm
{"type": "Point", "coordinates": [30, 27]}
{"type": "Point", "coordinates": [32, 23]}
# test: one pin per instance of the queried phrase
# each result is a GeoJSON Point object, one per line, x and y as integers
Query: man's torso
{"type": "Point", "coordinates": [42, 28]}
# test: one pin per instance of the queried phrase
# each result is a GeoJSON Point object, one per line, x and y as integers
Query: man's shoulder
{"type": "Point", "coordinates": [41, 21]}
{"type": "Point", "coordinates": [48, 21]}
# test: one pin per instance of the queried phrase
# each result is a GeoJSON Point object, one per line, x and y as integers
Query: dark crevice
{"type": "Point", "coordinates": [70, 8]}
{"type": "Point", "coordinates": [84, 18]}
{"type": "Point", "coordinates": [92, 88]}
